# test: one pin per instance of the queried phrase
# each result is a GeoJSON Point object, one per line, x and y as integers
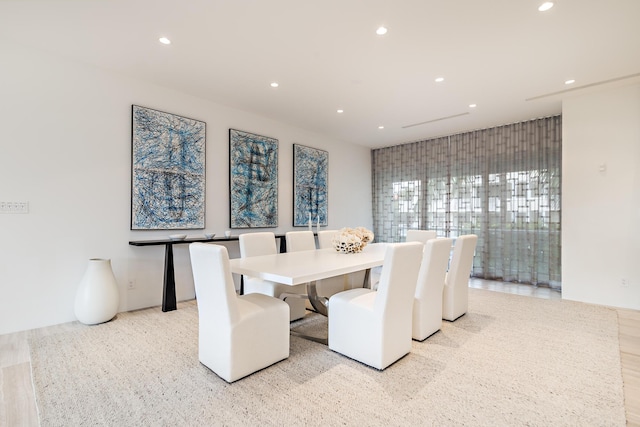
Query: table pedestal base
{"type": "Point", "coordinates": [320, 304]}
{"type": "Point", "coordinates": [324, 341]}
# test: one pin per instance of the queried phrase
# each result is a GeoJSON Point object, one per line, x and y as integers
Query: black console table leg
{"type": "Point", "coordinates": [169, 289]}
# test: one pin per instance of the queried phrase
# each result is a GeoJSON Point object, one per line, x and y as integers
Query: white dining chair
{"type": "Point", "coordinates": [427, 301]}
{"type": "Point", "coordinates": [412, 236]}
{"type": "Point", "coordinates": [420, 235]}
{"type": "Point", "coordinates": [300, 241]}
{"type": "Point", "coordinates": [325, 237]}
{"type": "Point", "coordinates": [237, 335]}
{"type": "Point", "coordinates": [455, 297]}
{"type": "Point", "coordinates": [264, 243]}
{"type": "Point", "coordinates": [374, 327]}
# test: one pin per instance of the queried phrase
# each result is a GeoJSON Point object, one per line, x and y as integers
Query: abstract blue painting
{"type": "Point", "coordinates": [253, 170]}
{"type": "Point", "coordinates": [168, 171]}
{"type": "Point", "coordinates": [310, 177]}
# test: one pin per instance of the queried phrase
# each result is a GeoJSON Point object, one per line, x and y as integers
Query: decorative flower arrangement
{"type": "Point", "coordinates": [351, 240]}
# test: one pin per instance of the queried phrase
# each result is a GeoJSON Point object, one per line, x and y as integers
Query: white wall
{"type": "Point", "coordinates": [65, 147]}
{"type": "Point", "coordinates": [601, 209]}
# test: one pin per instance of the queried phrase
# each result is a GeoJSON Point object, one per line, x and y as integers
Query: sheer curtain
{"type": "Point", "coordinates": [502, 184]}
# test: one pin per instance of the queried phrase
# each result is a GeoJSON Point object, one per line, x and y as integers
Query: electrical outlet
{"type": "Point", "coordinates": [14, 207]}
{"type": "Point", "coordinates": [131, 284]}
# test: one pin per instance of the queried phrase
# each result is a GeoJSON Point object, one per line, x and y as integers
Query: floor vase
{"type": "Point", "coordinates": [97, 298]}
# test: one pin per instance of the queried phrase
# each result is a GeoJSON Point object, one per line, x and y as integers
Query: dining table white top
{"type": "Point", "coordinates": [294, 268]}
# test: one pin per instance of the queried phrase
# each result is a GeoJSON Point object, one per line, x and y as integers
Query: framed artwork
{"type": "Point", "coordinates": [253, 180]}
{"type": "Point", "coordinates": [310, 177]}
{"type": "Point", "coordinates": [168, 171]}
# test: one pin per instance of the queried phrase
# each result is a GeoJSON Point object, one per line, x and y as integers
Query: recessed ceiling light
{"type": "Point", "coordinates": [473, 105]}
{"type": "Point", "coordinates": [570, 82]}
{"type": "Point", "coordinates": [380, 127]}
{"type": "Point", "coordinates": [164, 40]}
{"type": "Point", "coordinates": [340, 111]}
{"type": "Point", "coordinates": [274, 84]}
{"type": "Point", "coordinates": [381, 31]}
{"type": "Point", "coordinates": [439, 79]}
{"type": "Point", "coordinates": [545, 6]}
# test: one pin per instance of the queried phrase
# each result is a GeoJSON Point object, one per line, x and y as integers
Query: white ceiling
{"type": "Point", "coordinates": [326, 55]}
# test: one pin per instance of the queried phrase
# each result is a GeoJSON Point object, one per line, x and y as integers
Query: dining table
{"type": "Point", "coordinates": [307, 267]}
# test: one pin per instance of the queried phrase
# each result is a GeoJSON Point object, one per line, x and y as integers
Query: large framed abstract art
{"type": "Point", "coordinates": [168, 171]}
{"type": "Point", "coordinates": [310, 177]}
{"type": "Point", "coordinates": [253, 180]}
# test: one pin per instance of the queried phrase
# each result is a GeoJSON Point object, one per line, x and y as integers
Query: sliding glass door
{"type": "Point", "coordinates": [502, 184]}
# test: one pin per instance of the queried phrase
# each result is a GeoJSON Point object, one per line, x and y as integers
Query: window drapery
{"type": "Point", "coordinates": [502, 184]}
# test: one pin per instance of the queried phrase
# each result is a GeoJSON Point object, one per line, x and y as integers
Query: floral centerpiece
{"type": "Point", "coordinates": [351, 240]}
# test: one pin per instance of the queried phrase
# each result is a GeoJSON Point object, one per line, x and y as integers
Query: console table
{"type": "Point", "coordinates": [169, 284]}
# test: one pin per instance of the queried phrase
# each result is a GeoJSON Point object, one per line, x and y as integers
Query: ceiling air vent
{"type": "Point", "coordinates": [435, 120]}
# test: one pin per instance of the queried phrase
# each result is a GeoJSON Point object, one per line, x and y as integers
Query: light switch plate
{"type": "Point", "coordinates": [14, 207]}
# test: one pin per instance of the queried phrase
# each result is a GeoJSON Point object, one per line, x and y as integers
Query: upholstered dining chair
{"type": "Point", "coordinates": [420, 235]}
{"type": "Point", "coordinates": [237, 335]}
{"type": "Point", "coordinates": [325, 237]}
{"type": "Point", "coordinates": [374, 327]}
{"type": "Point", "coordinates": [455, 298]}
{"type": "Point", "coordinates": [300, 241]}
{"type": "Point", "coordinates": [264, 243]}
{"type": "Point", "coordinates": [427, 301]}
{"type": "Point", "coordinates": [412, 236]}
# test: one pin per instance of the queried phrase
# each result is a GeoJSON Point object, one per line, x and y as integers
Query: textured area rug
{"type": "Point", "coordinates": [509, 361]}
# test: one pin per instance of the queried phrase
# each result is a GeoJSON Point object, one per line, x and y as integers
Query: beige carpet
{"type": "Point", "coordinates": [510, 361]}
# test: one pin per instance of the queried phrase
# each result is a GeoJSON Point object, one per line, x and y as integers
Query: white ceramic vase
{"type": "Point", "coordinates": [97, 297]}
